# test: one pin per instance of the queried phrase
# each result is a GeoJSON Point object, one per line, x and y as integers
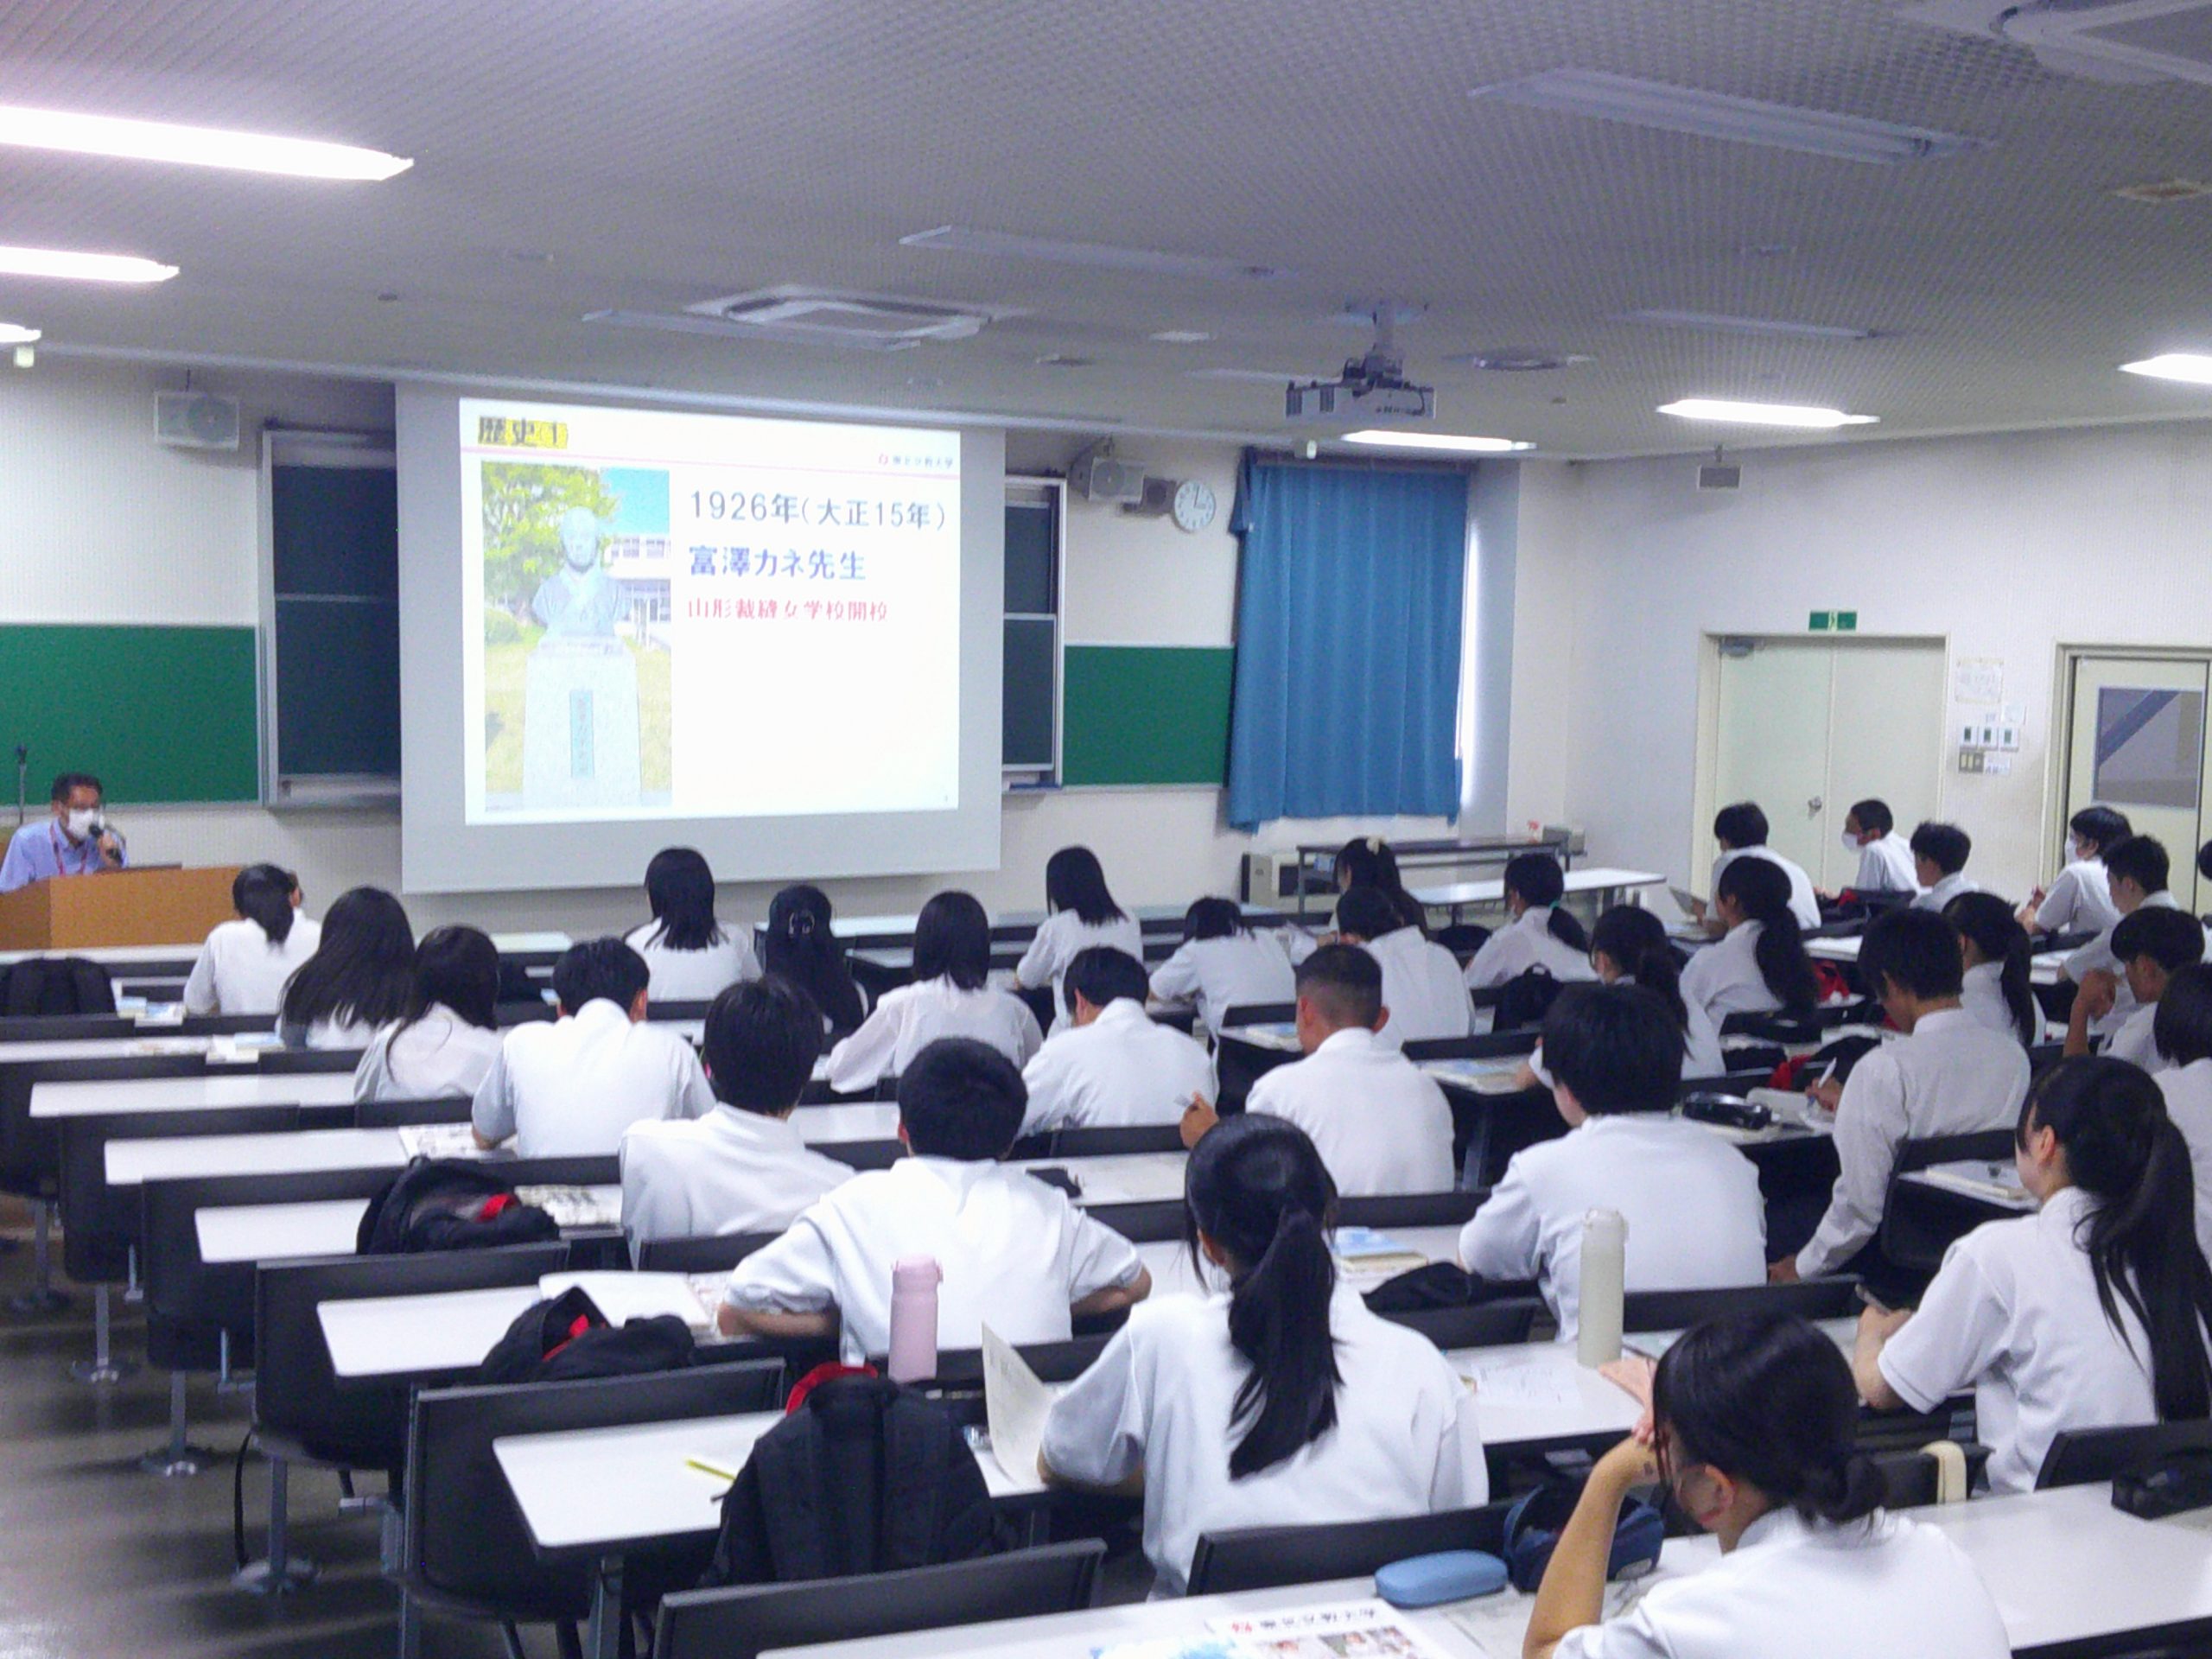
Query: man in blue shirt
{"type": "Point", "coordinates": [75, 840]}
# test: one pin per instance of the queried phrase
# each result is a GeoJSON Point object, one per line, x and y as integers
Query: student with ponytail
{"type": "Point", "coordinates": [1996, 952]}
{"type": "Point", "coordinates": [243, 964]}
{"type": "Point", "coordinates": [1758, 965]}
{"type": "Point", "coordinates": [2092, 1314]}
{"type": "Point", "coordinates": [1279, 1400]}
{"type": "Point", "coordinates": [1630, 946]}
{"type": "Point", "coordinates": [1751, 1430]}
{"type": "Point", "coordinates": [801, 950]}
{"type": "Point", "coordinates": [1540, 934]}
{"type": "Point", "coordinates": [1368, 861]}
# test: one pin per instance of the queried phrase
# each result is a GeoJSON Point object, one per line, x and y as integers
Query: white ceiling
{"type": "Point", "coordinates": [573, 156]}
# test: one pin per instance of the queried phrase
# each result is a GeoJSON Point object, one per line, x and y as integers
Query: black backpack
{"type": "Point", "coordinates": [864, 1475]}
{"type": "Point", "coordinates": [56, 985]}
{"type": "Point", "coordinates": [567, 1338]}
{"type": "Point", "coordinates": [1524, 999]}
{"type": "Point", "coordinates": [448, 1203]}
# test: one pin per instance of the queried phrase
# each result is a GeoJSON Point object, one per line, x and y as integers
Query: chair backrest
{"type": "Point", "coordinates": [181, 1286]}
{"type": "Point", "coordinates": [1154, 1221]}
{"type": "Point", "coordinates": [1408, 1209]}
{"type": "Point", "coordinates": [1991, 1145]}
{"type": "Point", "coordinates": [103, 1219]}
{"type": "Point", "coordinates": [1258, 1014]}
{"type": "Point", "coordinates": [1912, 1480]}
{"type": "Point", "coordinates": [1678, 1310]}
{"type": "Point", "coordinates": [1484, 1325]}
{"type": "Point", "coordinates": [1488, 1046]}
{"type": "Point", "coordinates": [296, 1394]}
{"type": "Point", "coordinates": [711, 1253]}
{"type": "Point", "coordinates": [2078, 1456]}
{"type": "Point", "coordinates": [49, 986]}
{"type": "Point", "coordinates": [750, 1619]}
{"type": "Point", "coordinates": [390, 1114]}
{"type": "Point", "coordinates": [962, 1368]}
{"type": "Point", "coordinates": [463, 1537]}
{"type": "Point", "coordinates": [1113, 1141]}
{"type": "Point", "coordinates": [1260, 1558]}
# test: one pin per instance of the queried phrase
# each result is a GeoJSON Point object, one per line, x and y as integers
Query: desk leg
{"type": "Point", "coordinates": [103, 1368]}
{"type": "Point", "coordinates": [41, 1297]}
{"type": "Point", "coordinates": [604, 1639]}
{"type": "Point", "coordinates": [180, 1456]}
{"type": "Point", "coordinates": [279, 1572]}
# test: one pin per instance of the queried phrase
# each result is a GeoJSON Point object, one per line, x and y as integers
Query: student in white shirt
{"type": "Point", "coordinates": [1869, 829]}
{"type": "Point", "coordinates": [742, 1168]}
{"type": "Point", "coordinates": [690, 955]}
{"type": "Point", "coordinates": [1282, 1401]}
{"type": "Point", "coordinates": [1630, 944]}
{"type": "Point", "coordinates": [1114, 1066]}
{"type": "Point", "coordinates": [570, 1087]}
{"type": "Point", "coordinates": [1082, 913]}
{"type": "Point", "coordinates": [2080, 900]}
{"type": "Point", "coordinates": [1016, 1255]}
{"type": "Point", "coordinates": [2136, 873]}
{"type": "Point", "coordinates": [1369, 861]}
{"type": "Point", "coordinates": [2151, 945]}
{"type": "Point", "coordinates": [360, 979]}
{"type": "Point", "coordinates": [1947, 1075]}
{"type": "Point", "coordinates": [1695, 1220]}
{"type": "Point", "coordinates": [1741, 830]}
{"type": "Point", "coordinates": [800, 948]}
{"type": "Point", "coordinates": [1380, 1125]}
{"type": "Point", "coordinates": [1758, 965]}
{"type": "Point", "coordinates": [1997, 990]}
{"type": "Point", "coordinates": [1541, 934]}
{"type": "Point", "coordinates": [242, 966]}
{"type": "Point", "coordinates": [2184, 1030]}
{"type": "Point", "coordinates": [1940, 852]}
{"type": "Point", "coordinates": [1752, 1431]}
{"type": "Point", "coordinates": [446, 1044]}
{"type": "Point", "coordinates": [1223, 964]}
{"type": "Point", "coordinates": [1421, 985]}
{"type": "Point", "coordinates": [2092, 1312]}
{"type": "Point", "coordinates": [950, 995]}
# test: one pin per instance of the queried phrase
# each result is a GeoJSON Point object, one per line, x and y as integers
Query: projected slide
{"type": "Point", "coordinates": [700, 616]}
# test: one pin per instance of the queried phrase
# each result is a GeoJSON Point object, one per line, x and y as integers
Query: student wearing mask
{"type": "Point", "coordinates": [2183, 1032]}
{"type": "Point", "coordinates": [1752, 1431]}
{"type": "Point", "coordinates": [1083, 913]}
{"type": "Point", "coordinates": [1281, 1401]}
{"type": "Point", "coordinates": [1940, 852]}
{"type": "Point", "coordinates": [741, 1168]}
{"type": "Point", "coordinates": [1112, 1066]}
{"type": "Point", "coordinates": [1997, 991]}
{"type": "Point", "coordinates": [950, 995]}
{"type": "Point", "coordinates": [1421, 985]}
{"type": "Point", "coordinates": [2152, 945]}
{"type": "Point", "coordinates": [74, 840]}
{"type": "Point", "coordinates": [1759, 963]}
{"type": "Point", "coordinates": [2092, 1313]}
{"type": "Point", "coordinates": [689, 956]}
{"type": "Point", "coordinates": [801, 949]}
{"type": "Point", "coordinates": [2136, 873]}
{"type": "Point", "coordinates": [1695, 1220]}
{"type": "Point", "coordinates": [1541, 934]}
{"type": "Point", "coordinates": [1015, 1253]}
{"type": "Point", "coordinates": [2080, 900]}
{"type": "Point", "coordinates": [446, 1043]}
{"type": "Point", "coordinates": [1223, 964]}
{"type": "Point", "coordinates": [1947, 1075]}
{"type": "Point", "coordinates": [360, 979]}
{"type": "Point", "coordinates": [1380, 1124]}
{"type": "Point", "coordinates": [1885, 864]}
{"type": "Point", "coordinates": [570, 1088]}
{"type": "Point", "coordinates": [243, 964]}
{"type": "Point", "coordinates": [1741, 830]}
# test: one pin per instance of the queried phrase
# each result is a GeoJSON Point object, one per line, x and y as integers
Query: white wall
{"type": "Point", "coordinates": [104, 526]}
{"type": "Point", "coordinates": [2009, 545]}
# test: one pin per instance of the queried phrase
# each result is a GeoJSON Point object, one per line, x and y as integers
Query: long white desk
{"type": "Point", "coordinates": [148, 1044]}
{"type": "Point", "coordinates": [1605, 882]}
{"type": "Point", "coordinates": [248, 1087]}
{"type": "Point", "coordinates": [2044, 969]}
{"type": "Point", "coordinates": [275, 1232]}
{"type": "Point", "coordinates": [415, 1336]}
{"type": "Point", "coordinates": [1121, 1178]}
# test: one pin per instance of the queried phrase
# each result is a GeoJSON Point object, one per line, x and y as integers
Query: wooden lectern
{"type": "Point", "coordinates": [73, 912]}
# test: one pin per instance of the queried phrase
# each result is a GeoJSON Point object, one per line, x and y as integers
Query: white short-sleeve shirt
{"type": "Point", "coordinates": [1944, 891]}
{"type": "Point", "coordinates": [694, 976]}
{"type": "Point", "coordinates": [1122, 1070]}
{"type": "Point", "coordinates": [910, 1018]}
{"type": "Point", "coordinates": [1421, 987]}
{"type": "Point", "coordinates": [438, 1056]}
{"type": "Point", "coordinates": [240, 969]}
{"type": "Point", "coordinates": [1886, 1587]}
{"type": "Point", "coordinates": [1804, 903]}
{"type": "Point", "coordinates": [1061, 936]}
{"type": "Point", "coordinates": [730, 1171]}
{"type": "Point", "coordinates": [570, 1087]}
{"type": "Point", "coordinates": [1015, 1254]}
{"type": "Point", "coordinates": [1236, 972]}
{"type": "Point", "coordinates": [1162, 1398]}
{"type": "Point", "coordinates": [2080, 900]}
{"type": "Point", "coordinates": [1982, 995]}
{"type": "Point", "coordinates": [1886, 866]}
{"type": "Point", "coordinates": [2134, 1043]}
{"type": "Point", "coordinates": [1723, 978]}
{"type": "Point", "coordinates": [1524, 943]}
{"type": "Point", "coordinates": [1380, 1125]}
{"type": "Point", "coordinates": [1695, 1220]}
{"type": "Point", "coordinates": [2188, 1090]}
{"type": "Point", "coordinates": [2097, 956]}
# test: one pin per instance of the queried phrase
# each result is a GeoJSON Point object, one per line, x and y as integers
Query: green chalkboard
{"type": "Point", "coordinates": [159, 713]}
{"type": "Point", "coordinates": [1146, 715]}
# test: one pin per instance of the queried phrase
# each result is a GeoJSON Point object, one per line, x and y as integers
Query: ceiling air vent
{"type": "Point", "coordinates": [877, 321]}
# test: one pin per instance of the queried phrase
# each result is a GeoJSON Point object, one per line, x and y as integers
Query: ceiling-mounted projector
{"type": "Point", "coordinates": [1371, 388]}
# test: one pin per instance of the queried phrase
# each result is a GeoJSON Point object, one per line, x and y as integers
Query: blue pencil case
{"type": "Point", "coordinates": [1428, 1580]}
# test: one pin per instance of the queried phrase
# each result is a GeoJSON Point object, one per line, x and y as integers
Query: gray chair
{"type": "Point", "coordinates": [2078, 1456]}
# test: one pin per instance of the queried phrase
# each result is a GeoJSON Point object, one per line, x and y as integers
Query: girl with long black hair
{"type": "Point", "coordinates": [243, 964]}
{"type": "Point", "coordinates": [446, 1042]}
{"type": "Point", "coordinates": [1758, 964]}
{"type": "Point", "coordinates": [1223, 964]}
{"type": "Point", "coordinates": [691, 956]}
{"type": "Point", "coordinates": [359, 978]}
{"type": "Point", "coordinates": [1083, 913]}
{"type": "Point", "coordinates": [801, 949]}
{"type": "Point", "coordinates": [1997, 954]}
{"type": "Point", "coordinates": [1281, 1400]}
{"type": "Point", "coordinates": [950, 995]}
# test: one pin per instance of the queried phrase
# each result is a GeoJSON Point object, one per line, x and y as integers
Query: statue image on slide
{"type": "Point", "coordinates": [580, 599]}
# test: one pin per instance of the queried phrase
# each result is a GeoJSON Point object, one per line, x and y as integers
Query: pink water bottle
{"type": "Point", "coordinates": [914, 1317]}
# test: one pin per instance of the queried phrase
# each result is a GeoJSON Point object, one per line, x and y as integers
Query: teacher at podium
{"type": "Point", "coordinates": [75, 840]}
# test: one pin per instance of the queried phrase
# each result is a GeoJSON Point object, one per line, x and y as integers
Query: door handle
{"type": "Point", "coordinates": [1814, 805]}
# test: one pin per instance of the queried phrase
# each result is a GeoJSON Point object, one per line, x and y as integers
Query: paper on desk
{"type": "Point", "coordinates": [625, 1296]}
{"type": "Point", "coordinates": [1328, 1633]}
{"type": "Point", "coordinates": [573, 1206]}
{"type": "Point", "coordinates": [1527, 1381]}
{"type": "Point", "coordinates": [439, 1141]}
{"type": "Point", "coordinates": [1014, 1404]}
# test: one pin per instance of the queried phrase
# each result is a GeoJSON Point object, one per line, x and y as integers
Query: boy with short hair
{"type": "Point", "coordinates": [1885, 860]}
{"type": "Point", "coordinates": [1423, 985]}
{"type": "Point", "coordinates": [2136, 873]}
{"type": "Point", "coordinates": [2153, 944]}
{"type": "Point", "coordinates": [1111, 1066]}
{"type": "Point", "coordinates": [1741, 830]}
{"type": "Point", "coordinates": [1940, 852]}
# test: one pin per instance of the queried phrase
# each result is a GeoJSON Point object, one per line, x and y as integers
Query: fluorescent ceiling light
{"type": "Point", "coordinates": [1723, 409]}
{"type": "Point", "coordinates": [960, 238]}
{"type": "Point", "coordinates": [13, 333]}
{"type": "Point", "coordinates": [1266, 377]}
{"type": "Point", "coordinates": [1719, 115]}
{"type": "Point", "coordinates": [2190, 367]}
{"type": "Point", "coordinates": [163, 141]}
{"type": "Point", "coordinates": [1451, 441]}
{"type": "Point", "coordinates": [82, 267]}
{"type": "Point", "coordinates": [1182, 336]}
{"type": "Point", "coordinates": [1713, 322]}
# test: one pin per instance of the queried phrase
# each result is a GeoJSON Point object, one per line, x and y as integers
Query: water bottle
{"type": "Point", "coordinates": [914, 1280]}
{"type": "Point", "coordinates": [1604, 1274]}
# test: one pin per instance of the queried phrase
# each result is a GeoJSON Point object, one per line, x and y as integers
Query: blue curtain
{"type": "Point", "coordinates": [1349, 595]}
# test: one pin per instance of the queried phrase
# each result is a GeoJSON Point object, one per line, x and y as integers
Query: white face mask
{"type": "Point", "coordinates": [1850, 843]}
{"type": "Point", "coordinates": [2077, 853]}
{"type": "Point", "coordinates": [82, 822]}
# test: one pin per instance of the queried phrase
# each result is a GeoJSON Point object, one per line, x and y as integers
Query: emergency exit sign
{"type": "Point", "coordinates": [1833, 622]}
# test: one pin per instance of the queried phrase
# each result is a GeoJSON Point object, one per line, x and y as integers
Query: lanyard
{"type": "Point", "coordinates": [62, 852]}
